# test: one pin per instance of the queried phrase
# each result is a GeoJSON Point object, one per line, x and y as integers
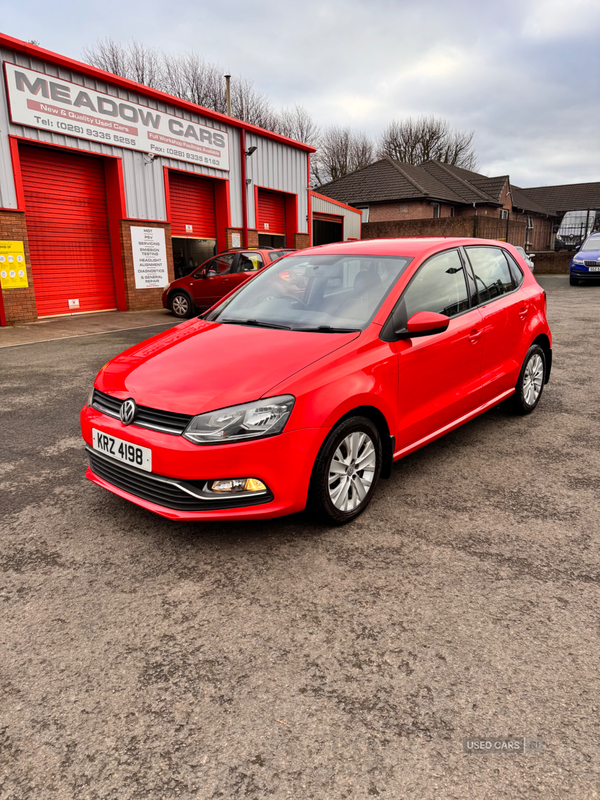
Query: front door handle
{"type": "Point", "coordinates": [475, 335]}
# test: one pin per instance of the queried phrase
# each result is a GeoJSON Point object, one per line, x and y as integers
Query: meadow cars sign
{"type": "Point", "coordinates": [43, 101]}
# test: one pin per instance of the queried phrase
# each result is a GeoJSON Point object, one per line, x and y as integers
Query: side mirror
{"type": "Point", "coordinates": [210, 273]}
{"type": "Point", "coordinates": [424, 323]}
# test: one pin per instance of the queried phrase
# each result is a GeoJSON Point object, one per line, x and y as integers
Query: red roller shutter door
{"type": "Point", "coordinates": [67, 226]}
{"type": "Point", "coordinates": [192, 202]}
{"type": "Point", "coordinates": [271, 213]}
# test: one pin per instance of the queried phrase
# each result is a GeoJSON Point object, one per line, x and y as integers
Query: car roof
{"type": "Point", "coordinates": [415, 246]}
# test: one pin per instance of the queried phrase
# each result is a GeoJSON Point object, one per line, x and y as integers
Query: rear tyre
{"type": "Point", "coordinates": [573, 281]}
{"type": "Point", "coordinates": [346, 471]}
{"type": "Point", "coordinates": [181, 305]}
{"type": "Point", "coordinates": [530, 385]}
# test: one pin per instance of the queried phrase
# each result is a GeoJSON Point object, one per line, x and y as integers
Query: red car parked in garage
{"type": "Point", "coordinates": [303, 392]}
{"type": "Point", "coordinates": [215, 278]}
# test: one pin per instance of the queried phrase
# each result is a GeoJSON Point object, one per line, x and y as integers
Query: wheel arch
{"type": "Point", "coordinates": [544, 342]}
{"type": "Point", "coordinates": [387, 440]}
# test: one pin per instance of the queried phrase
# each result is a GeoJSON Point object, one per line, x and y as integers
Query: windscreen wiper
{"type": "Point", "coordinates": [255, 323]}
{"type": "Point", "coordinates": [327, 329]}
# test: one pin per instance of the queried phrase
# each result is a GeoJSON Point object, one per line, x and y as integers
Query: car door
{"type": "Point", "coordinates": [506, 310]}
{"type": "Point", "coordinates": [440, 374]}
{"type": "Point", "coordinates": [210, 282]}
{"type": "Point", "coordinates": [247, 264]}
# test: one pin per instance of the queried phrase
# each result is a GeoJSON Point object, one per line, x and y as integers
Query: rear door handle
{"type": "Point", "coordinates": [523, 312]}
{"type": "Point", "coordinates": [475, 335]}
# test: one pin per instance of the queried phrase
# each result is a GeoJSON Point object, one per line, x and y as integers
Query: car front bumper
{"type": "Point", "coordinates": [283, 463]}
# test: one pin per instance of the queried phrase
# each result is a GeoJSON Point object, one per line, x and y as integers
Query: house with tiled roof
{"type": "Point", "coordinates": [390, 191]}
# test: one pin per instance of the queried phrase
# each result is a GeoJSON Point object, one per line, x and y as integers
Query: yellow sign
{"type": "Point", "coordinates": [13, 270]}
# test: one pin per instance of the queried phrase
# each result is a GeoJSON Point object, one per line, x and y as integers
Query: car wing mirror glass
{"type": "Point", "coordinates": [210, 273]}
{"type": "Point", "coordinates": [424, 323]}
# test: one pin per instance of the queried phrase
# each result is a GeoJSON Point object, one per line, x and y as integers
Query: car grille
{"type": "Point", "coordinates": [163, 491]}
{"type": "Point", "coordinates": [152, 418]}
{"type": "Point", "coordinates": [592, 263]}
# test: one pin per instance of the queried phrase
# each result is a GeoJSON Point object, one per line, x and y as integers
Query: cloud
{"type": "Point", "coordinates": [522, 74]}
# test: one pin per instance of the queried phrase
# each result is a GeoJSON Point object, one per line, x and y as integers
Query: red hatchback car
{"type": "Point", "coordinates": [304, 386]}
{"type": "Point", "coordinates": [215, 278]}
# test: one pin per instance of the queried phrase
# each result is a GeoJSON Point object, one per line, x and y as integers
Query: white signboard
{"type": "Point", "coordinates": [43, 101]}
{"type": "Point", "coordinates": [149, 257]}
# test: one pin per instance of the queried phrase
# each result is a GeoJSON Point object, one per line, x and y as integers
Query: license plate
{"type": "Point", "coordinates": [128, 453]}
{"type": "Point", "coordinates": [594, 269]}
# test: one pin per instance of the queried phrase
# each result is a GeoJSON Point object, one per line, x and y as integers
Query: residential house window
{"type": "Point", "coordinates": [528, 231]}
{"type": "Point", "coordinates": [451, 211]}
{"type": "Point", "coordinates": [365, 212]}
{"type": "Point", "coordinates": [436, 210]}
{"type": "Point", "coordinates": [504, 213]}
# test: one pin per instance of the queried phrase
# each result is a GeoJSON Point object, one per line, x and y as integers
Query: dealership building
{"type": "Point", "coordinates": [105, 184]}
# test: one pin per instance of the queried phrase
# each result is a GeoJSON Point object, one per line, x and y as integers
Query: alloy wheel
{"type": "Point", "coordinates": [533, 379]}
{"type": "Point", "coordinates": [351, 471]}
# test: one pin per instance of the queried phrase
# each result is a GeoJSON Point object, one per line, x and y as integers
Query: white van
{"type": "Point", "coordinates": [575, 226]}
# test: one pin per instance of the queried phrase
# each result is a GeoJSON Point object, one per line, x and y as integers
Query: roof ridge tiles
{"type": "Point", "coordinates": [468, 185]}
{"type": "Point", "coordinates": [405, 175]}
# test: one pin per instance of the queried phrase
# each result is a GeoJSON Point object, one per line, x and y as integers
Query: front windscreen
{"type": "Point", "coordinates": [314, 292]}
{"type": "Point", "coordinates": [591, 243]}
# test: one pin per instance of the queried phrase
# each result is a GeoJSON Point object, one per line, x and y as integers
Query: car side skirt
{"type": "Point", "coordinates": [452, 425]}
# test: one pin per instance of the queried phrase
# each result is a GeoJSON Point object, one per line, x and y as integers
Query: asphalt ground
{"type": "Point", "coordinates": [141, 658]}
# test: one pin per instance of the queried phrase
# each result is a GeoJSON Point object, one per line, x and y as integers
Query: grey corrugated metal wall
{"type": "Point", "coordinates": [277, 166]}
{"type": "Point", "coordinates": [352, 219]}
{"type": "Point", "coordinates": [273, 165]}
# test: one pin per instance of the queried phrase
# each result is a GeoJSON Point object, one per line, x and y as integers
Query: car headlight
{"type": "Point", "coordinates": [238, 423]}
{"type": "Point", "coordinates": [577, 260]}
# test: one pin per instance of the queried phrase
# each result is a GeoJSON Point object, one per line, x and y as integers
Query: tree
{"type": "Point", "coordinates": [339, 152]}
{"type": "Point", "coordinates": [296, 123]}
{"type": "Point", "coordinates": [414, 141]}
{"type": "Point", "coordinates": [188, 76]}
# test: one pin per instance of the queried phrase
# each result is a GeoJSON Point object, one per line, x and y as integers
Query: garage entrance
{"type": "Point", "coordinates": [193, 221]}
{"type": "Point", "coordinates": [327, 228]}
{"type": "Point", "coordinates": [270, 213]}
{"type": "Point", "coordinates": [68, 231]}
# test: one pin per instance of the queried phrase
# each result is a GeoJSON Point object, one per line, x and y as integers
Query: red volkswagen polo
{"type": "Point", "coordinates": [302, 387]}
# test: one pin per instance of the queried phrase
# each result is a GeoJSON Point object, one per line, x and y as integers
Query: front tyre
{"type": "Point", "coordinates": [181, 305]}
{"type": "Point", "coordinates": [530, 385]}
{"type": "Point", "coordinates": [573, 281]}
{"type": "Point", "coordinates": [346, 471]}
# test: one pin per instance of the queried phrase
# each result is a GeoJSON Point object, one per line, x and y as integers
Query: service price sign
{"type": "Point", "coordinates": [49, 103]}
{"type": "Point", "coordinates": [149, 257]}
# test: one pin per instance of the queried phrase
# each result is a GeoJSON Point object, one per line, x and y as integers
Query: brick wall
{"type": "Point", "coordinates": [252, 238]}
{"type": "Point", "coordinates": [411, 209]}
{"type": "Point", "coordinates": [446, 226]}
{"type": "Point", "coordinates": [141, 299]}
{"type": "Point", "coordinates": [19, 304]}
{"type": "Point", "coordinates": [301, 240]}
{"type": "Point", "coordinates": [552, 263]}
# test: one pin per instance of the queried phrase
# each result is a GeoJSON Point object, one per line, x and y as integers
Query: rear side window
{"type": "Point", "coordinates": [438, 286]}
{"type": "Point", "coordinates": [492, 273]}
{"type": "Point", "coordinates": [516, 271]}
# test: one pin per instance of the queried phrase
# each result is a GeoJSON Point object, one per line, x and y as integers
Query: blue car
{"type": "Point", "coordinates": [585, 264]}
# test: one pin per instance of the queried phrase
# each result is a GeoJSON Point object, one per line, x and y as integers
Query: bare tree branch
{"type": "Point", "coordinates": [414, 141]}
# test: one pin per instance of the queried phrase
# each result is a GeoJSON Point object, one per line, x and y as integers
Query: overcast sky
{"type": "Point", "coordinates": [523, 74]}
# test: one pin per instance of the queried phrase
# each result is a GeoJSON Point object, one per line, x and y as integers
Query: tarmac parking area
{"type": "Point", "coordinates": [144, 659]}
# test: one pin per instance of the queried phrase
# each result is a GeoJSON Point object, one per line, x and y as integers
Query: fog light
{"type": "Point", "coordinates": [237, 485]}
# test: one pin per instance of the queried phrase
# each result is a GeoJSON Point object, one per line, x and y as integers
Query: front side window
{"type": "Point", "coordinates": [492, 273]}
{"type": "Point", "coordinates": [314, 292]}
{"type": "Point", "coordinates": [438, 286]}
{"type": "Point", "coordinates": [220, 265]}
